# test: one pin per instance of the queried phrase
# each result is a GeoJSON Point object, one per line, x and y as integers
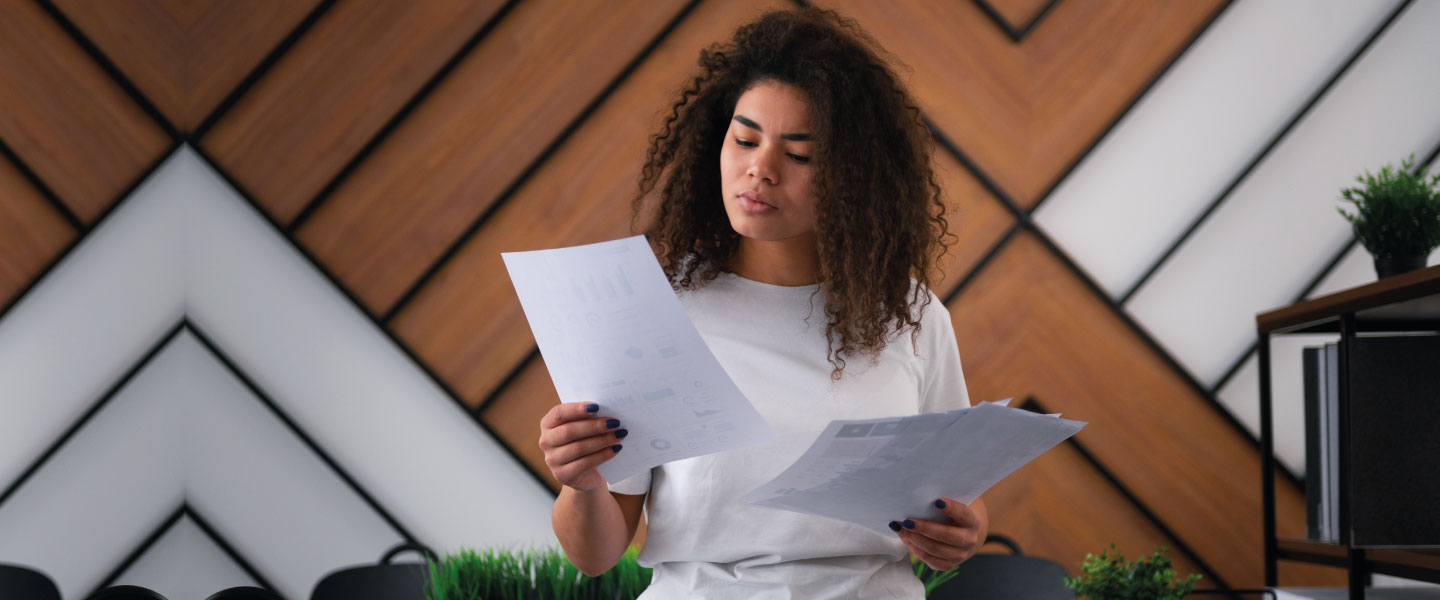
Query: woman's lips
{"type": "Point", "coordinates": [754, 203]}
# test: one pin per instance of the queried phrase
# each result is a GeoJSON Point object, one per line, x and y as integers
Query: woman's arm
{"type": "Point", "coordinates": [595, 526]}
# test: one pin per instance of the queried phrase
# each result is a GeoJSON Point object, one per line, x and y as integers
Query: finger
{"type": "Point", "coordinates": [950, 554]}
{"type": "Point", "coordinates": [573, 469]}
{"type": "Point", "coordinates": [959, 513]}
{"type": "Point", "coordinates": [566, 433]}
{"type": "Point", "coordinates": [949, 534]}
{"type": "Point", "coordinates": [562, 455]}
{"type": "Point", "coordinates": [934, 562]}
{"type": "Point", "coordinates": [566, 412]}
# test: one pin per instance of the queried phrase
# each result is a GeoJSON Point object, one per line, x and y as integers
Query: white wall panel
{"type": "Point", "coordinates": [328, 366]}
{"type": "Point", "coordinates": [77, 331]}
{"type": "Point", "coordinates": [1197, 128]}
{"type": "Point", "coordinates": [1280, 225]}
{"type": "Point", "coordinates": [97, 498]}
{"type": "Point", "coordinates": [185, 564]}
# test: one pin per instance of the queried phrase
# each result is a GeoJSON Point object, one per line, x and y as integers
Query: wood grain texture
{"type": "Point", "coordinates": [186, 55]}
{"type": "Point", "coordinates": [1029, 326]}
{"type": "Point", "coordinates": [333, 91]}
{"type": "Point", "coordinates": [451, 159]}
{"type": "Point", "coordinates": [1025, 112]}
{"type": "Point", "coordinates": [976, 219]}
{"type": "Point", "coordinates": [1018, 13]}
{"type": "Point", "coordinates": [467, 323]}
{"type": "Point", "coordinates": [32, 232]}
{"type": "Point", "coordinates": [65, 118]}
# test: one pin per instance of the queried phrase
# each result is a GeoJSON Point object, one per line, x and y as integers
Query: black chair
{"type": "Point", "coordinates": [1009, 576]}
{"type": "Point", "coordinates": [126, 592]}
{"type": "Point", "coordinates": [23, 582]}
{"type": "Point", "coordinates": [383, 581]}
{"type": "Point", "coordinates": [245, 592]}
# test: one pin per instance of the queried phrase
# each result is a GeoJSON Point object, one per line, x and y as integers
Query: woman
{"type": "Point", "coordinates": [798, 219]}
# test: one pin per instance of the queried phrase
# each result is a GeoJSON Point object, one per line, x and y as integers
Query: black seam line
{"type": "Point", "coordinates": [84, 232]}
{"type": "Point", "coordinates": [139, 550]}
{"type": "Point", "coordinates": [1015, 35]}
{"type": "Point", "coordinates": [299, 431]}
{"type": "Point", "coordinates": [390, 335]}
{"type": "Point", "coordinates": [989, 256]}
{"type": "Point", "coordinates": [109, 68]}
{"type": "Point", "coordinates": [233, 98]}
{"type": "Point", "coordinates": [394, 123]}
{"type": "Point", "coordinates": [228, 549]}
{"type": "Point", "coordinates": [505, 383]}
{"type": "Point", "coordinates": [1028, 223]}
{"type": "Point", "coordinates": [1135, 500]}
{"type": "Point", "coordinates": [39, 185]}
{"type": "Point", "coordinates": [1035, 20]}
{"type": "Point", "coordinates": [85, 418]}
{"type": "Point", "coordinates": [1134, 100]}
{"type": "Point", "coordinates": [1263, 154]}
{"type": "Point", "coordinates": [1318, 278]}
{"type": "Point", "coordinates": [535, 165]}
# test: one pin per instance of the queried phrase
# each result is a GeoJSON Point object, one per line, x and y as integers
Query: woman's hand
{"type": "Point", "coordinates": [942, 546]}
{"type": "Point", "coordinates": [575, 441]}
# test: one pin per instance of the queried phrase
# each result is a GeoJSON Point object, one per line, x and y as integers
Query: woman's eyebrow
{"type": "Point", "coordinates": [798, 137]}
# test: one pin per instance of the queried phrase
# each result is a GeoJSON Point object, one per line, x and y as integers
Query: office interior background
{"type": "Point", "coordinates": [254, 325]}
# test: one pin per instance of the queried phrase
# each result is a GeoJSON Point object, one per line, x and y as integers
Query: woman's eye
{"type": "Point", "coordinates": [745, 143]}
{"type": "Point", "coordinates": [800, 158]}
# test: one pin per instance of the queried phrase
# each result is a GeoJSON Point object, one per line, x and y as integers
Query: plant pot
{"type": "Point", "coordinates": [1395, 265]}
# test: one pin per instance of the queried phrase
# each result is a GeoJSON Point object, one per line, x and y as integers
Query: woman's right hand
{"type": "Point", "coordinates": [575, 441]}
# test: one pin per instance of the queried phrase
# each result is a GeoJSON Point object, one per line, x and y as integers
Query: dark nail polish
{"type": "Point", "coordinates": [612, 423]}
{"type": "Point", "coordinates": [909, 524]}
{"type": "Point", "coordinates": [939, 504]}
{"type": "Point", "coordinates": [616, 447]}
{"type": "Point", "coordinates": [894, 526]}
{"type": "Point", "coordinates": [622, 433]}
{"type": "Point", "coordinates": [592, 408]}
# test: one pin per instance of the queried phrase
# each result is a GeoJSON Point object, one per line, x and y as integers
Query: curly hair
{"type": "Point", "coordinates": [880, 220]}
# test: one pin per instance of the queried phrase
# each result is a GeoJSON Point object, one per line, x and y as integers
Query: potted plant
{"type": "Point", "coordinates": [1397, 216]}
{"type": "Point", "coordinates": [1109, 577]}
{"type": "Point", "coordinates": [530, 575]}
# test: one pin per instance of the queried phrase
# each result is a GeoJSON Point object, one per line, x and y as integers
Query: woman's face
{"type": "Point", "coordinates": [765, 165]}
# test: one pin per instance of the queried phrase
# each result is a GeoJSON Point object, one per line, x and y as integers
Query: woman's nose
{"type": "Point", "coordinates": [762, 166]}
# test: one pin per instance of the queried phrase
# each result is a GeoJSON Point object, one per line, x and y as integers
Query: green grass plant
{"type": "Point", "coordinates": [531, 574]}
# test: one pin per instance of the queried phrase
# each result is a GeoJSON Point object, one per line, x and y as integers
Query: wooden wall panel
{"type": "Point", "coordinates": [333, 90]}
{"type": "Point", "coordinates": [1028, 326]}
{"type": "Point", "coordinates": [65, 118]}
{"type": "Point", "coordinates": [1025, 112]}
{"type": "Point", "coordinates": [976, 219]}
{"type": "Point", "coordinates": [32, 232]}
{"type": "Point", "coordinates": [186, 55]}
{"type": "Point", "coordinates": [1017, 13]}
{"type": "Point", "coordinates": [516, 92]}
{"type": "Point", "coordinates": [467, 323]}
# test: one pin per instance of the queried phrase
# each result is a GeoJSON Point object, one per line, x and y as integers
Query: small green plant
{"type": "Point", "coordinates": [930, 577]}
{"type": "Point", "coordinates": [531, 575]}
{"type": "Point", "coordinates": [1109, 577]}
{"type": "Point", "coordinates": [1397, 212]}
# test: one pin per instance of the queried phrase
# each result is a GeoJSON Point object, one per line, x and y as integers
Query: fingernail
{"type": "Point", "coordinates": [612, 423]}
{"type": "Point", "coordinates": [939, 504]}
{"type": "Point", "coordinates": [894, 526]}
{"type": "Point", "coordinates": [590, 408]}
{"type": "Point", "coordinates": [909, 524]}
{"type": "Point", "coordinates": [622, 433]}
{"type": "Point", "coordinates": [616, 447]}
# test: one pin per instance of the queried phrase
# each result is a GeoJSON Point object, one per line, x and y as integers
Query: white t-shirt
{"type": "Point", "coordinates": [699, 540]}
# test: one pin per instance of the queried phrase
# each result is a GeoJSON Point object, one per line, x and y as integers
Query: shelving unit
{"type": "Point", "coordinates": [1409, 302]}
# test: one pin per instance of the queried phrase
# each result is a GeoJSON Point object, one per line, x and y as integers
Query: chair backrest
{"type": "Point", "coordinates": [126, 592]}
{"type": "Point", "coordinates": [385, 581]}
{"type": "Point", "coordinates": [23, 582]}
{"type": "Point", "coordinates": [245, 592]}
{"type": "Point", "coordinates": [1006, 576]}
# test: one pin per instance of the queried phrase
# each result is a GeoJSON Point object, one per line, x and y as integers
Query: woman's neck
{"type": "Point", "coordinates": [792, 262]}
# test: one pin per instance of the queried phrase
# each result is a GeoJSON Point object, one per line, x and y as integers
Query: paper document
{"type": "Point", "coordinates": [612, 332]}
{"type": "Point", "coordinates": [875, 471]}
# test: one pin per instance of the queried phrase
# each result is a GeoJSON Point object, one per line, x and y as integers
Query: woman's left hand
{"type": "Point", "coordinates": [943, 545]}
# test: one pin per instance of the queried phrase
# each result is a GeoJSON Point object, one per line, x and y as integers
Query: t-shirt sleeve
{"type": "Point", "coordinates": [942, 386]}
{"type": "Point", "coordinates": [633, 485]}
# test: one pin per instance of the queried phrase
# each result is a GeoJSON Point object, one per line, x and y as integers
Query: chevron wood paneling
{"type": "Point", "coordinates": [518, 90]}
{"type": "Point", "coordinates": [65, 118]}
{"type": "Point", "coordinates": [1017, 13]}
{"type": "Point", "coordinates": [1025, 112]}
{"type": "Point", "coordinates": [186, 55]}
{"type": "Point", "coordinates": [467, 323]}
{"type": "Point", "coordinates": [32, 232]}
{"type": "Point", "coordinates": [333, 90]}
{"type": "Point", "coordinates": [1028, 326]}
